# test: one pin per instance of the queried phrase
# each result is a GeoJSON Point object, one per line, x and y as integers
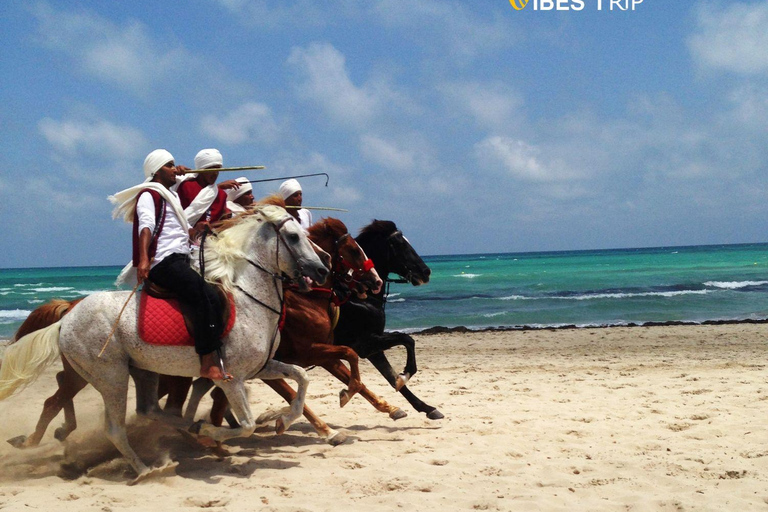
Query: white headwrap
{"type": "Point", "coordinates": [244, 188]}
{"type": "Point", "coordinates": [289, 187]}
{"type": "Point", "coordinates": [154, 161]}
{"type": "Point", "coordinates": [206, 158]}
{"type": "Point", "coordinates": [125, 201]}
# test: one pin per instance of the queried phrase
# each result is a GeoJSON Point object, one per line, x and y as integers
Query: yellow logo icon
{"type": "Point", "coordinates": [518, 4]}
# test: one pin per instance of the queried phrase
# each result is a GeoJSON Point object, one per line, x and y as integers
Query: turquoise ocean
{"type": "Point", "coordinates": [512, 290]}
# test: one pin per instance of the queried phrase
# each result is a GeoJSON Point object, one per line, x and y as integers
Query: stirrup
{"type": "Point", "coordinates": [227, 376]}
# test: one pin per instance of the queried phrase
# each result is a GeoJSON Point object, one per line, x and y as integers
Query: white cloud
{"type": "Point", "coordinates": [327, 83]}
{"type": "Point", "coordinates": [750, 108]}
{"type": "Point", "coordinates": [345, 195]}
{"type": "Point", "coordinates": [492, 105]}
{"type": "Point", "coordinates": [277, 14]}
{"type": "Point", "coordinates": [521, 160]}
{"type": "Point", "coordinates": [249, 122]}
{"type": "Point", "coordinates": [386, 154]}
{"type": "Point", "coordinates": [97, 138]}
{"type": "Point", "coordinates": [450, 24]}
{"type": "Point", "coordinates": [95, 150]}
{"type": "Point", "coordinates": [122, 55]}
{"type": "Point", "coordinates": [732, 39]}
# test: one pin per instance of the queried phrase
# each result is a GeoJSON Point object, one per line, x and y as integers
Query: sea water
{"type": "Point", "coordinates": [512, 290]}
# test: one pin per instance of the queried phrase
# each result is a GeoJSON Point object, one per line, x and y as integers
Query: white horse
{"type": "Point", "coordinates": [247, 258]}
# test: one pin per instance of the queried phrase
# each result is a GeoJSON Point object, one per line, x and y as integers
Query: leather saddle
{"type": "Point", "coordinates": [164, 320]}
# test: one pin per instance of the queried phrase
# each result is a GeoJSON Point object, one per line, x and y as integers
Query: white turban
{"type": "Point", "coordinates": [245, 187]}
{"type": "Point", "coordinates": [289, 187]}
{"type": "Point", "coordinates": [206, 158]}
{"type": "Point", "coordinates": [154, 161]}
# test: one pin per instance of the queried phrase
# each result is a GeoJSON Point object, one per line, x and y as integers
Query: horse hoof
{"type": "Point", "coordinates": [344, 398]}
{"type": "Point", "coordinates": [398, 414]}
{"type": "Point", "coordinates": [401, 381]}
{"type": "Point", "coordinates": [196, 427]}
{"type": "Point", "coordinates": [337, 439]}
{"type": "Point", "coordinates": [434, 414]}
{"type": "Point", "coordinates": [60, 434]}
{"type": "Point", "coordinates": [18, 441]}
{"type": "Point", "coordinates": [279, 426]}
{"type": "Point", "coordinates": [168, 469]}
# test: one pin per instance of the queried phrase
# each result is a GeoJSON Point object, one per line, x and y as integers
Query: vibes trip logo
{"type": "Point", "coordinates": [576, 5]}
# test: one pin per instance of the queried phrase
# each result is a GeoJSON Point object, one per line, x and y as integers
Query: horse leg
{"type": "Point", "coordinates": [378, 343]}
{"type": "Point", "coordinates": [341, 372]}
{"type": "Point", "coordinates": [199, 388]}
{"type": "Point", "coordinates": [70, 384]}
{"type": "Point", "coordinates": [221, 410]}
{"type": "Point", "coordinates": [178, 389]}
{"type": "Point", "coordinates": [325, 354]}
{"type": "Point", "coordinates": [278, 370]}
{"type": "Point", "coordinates": [333, 437]}
{"type": "Point", "coordinates": [113, 387]}
{"type": "Point", "coordinates": [410, 360]}
{"type": "Point", "coordinates": [146, 391]}
{"type": "Point", "coordinates": [380, 362]}
{"type": "Point", "coordinates": [238, 399]}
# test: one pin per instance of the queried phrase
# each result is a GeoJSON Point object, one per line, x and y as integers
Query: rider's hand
{"type": "Point", "coordinates": [225, 185]}
{"type": "Point", "coordinates": [142, 271]}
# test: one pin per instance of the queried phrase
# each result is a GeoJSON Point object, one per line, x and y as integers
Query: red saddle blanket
{"type": "Point", "coordinates": [162, 323]}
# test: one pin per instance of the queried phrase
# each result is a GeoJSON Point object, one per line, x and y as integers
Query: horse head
{"type": "Point", "coordinates": [267, 238]}
{"type": "Point", "coordinates": [300, 257]}
{"type": "Point", "coordinates": [350, 264]}
{"type": "Point", "coordinates": [392, 252]}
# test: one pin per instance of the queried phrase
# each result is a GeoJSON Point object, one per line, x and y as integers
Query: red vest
{"type": "Point", "coordinates": [188, 191]}
{"type": "Point", "coordinates": [159, 221]}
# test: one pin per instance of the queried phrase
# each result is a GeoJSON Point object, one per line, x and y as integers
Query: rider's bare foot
{"type": "Point", "coordinates": [211, 369]}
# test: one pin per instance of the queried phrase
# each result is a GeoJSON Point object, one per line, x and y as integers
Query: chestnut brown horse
{"type": "Point", "coordinates": [307, 337]}
{"type": "Point", "coordinates": [70, 382]}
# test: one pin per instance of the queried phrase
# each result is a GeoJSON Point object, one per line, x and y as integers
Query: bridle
{"type": "Point", "coordinates": [280, 238]}
{"type": "Point", "coordinates": [344, 270]}
{"type": "Point", "coordinates": [390, 256]}
{"type": "Point", "coordinates": [276, 277]}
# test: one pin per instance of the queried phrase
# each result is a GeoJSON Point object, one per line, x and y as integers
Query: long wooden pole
{"type": "Point", "coordinates": [326, 208]}
{"type": "Point", "coordinates": [227, 169]}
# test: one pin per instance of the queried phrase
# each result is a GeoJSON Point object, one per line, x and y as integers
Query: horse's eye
{"type": "Point", "coordinates": [293, 238]}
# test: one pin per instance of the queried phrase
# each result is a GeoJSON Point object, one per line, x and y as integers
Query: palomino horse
{"type": "Point", "coordinates": [307, 338]}
{"type": "Point", "coordinates": [247, 259]}
{"type": "Point", "coordinates": [361, 321]}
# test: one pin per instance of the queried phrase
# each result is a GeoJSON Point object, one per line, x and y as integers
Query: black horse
{"type": "Point", "coordinates": [361, 321]}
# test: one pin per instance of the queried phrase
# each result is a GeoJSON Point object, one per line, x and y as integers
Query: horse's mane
{"type": "Point", "coordinates": [328, 227]}
{"type": "Point", "coordinates": [225, 252]}
{"type": "Point", "coordinates": [274, 200]}
{"type": "Point", "coordinates": [379, 227]}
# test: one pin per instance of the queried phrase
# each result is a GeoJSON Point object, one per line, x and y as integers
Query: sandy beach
{"type": "Point", "coordinates": [641, 418]}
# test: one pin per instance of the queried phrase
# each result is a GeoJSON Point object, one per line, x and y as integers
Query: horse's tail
{"type": "Point", "coordinates": [26, 359]}
{"type": "Point", "coordinates": [44, 316]}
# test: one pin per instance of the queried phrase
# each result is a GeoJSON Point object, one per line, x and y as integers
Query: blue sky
{"type": "Point", "coordinates": [473, 126]}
